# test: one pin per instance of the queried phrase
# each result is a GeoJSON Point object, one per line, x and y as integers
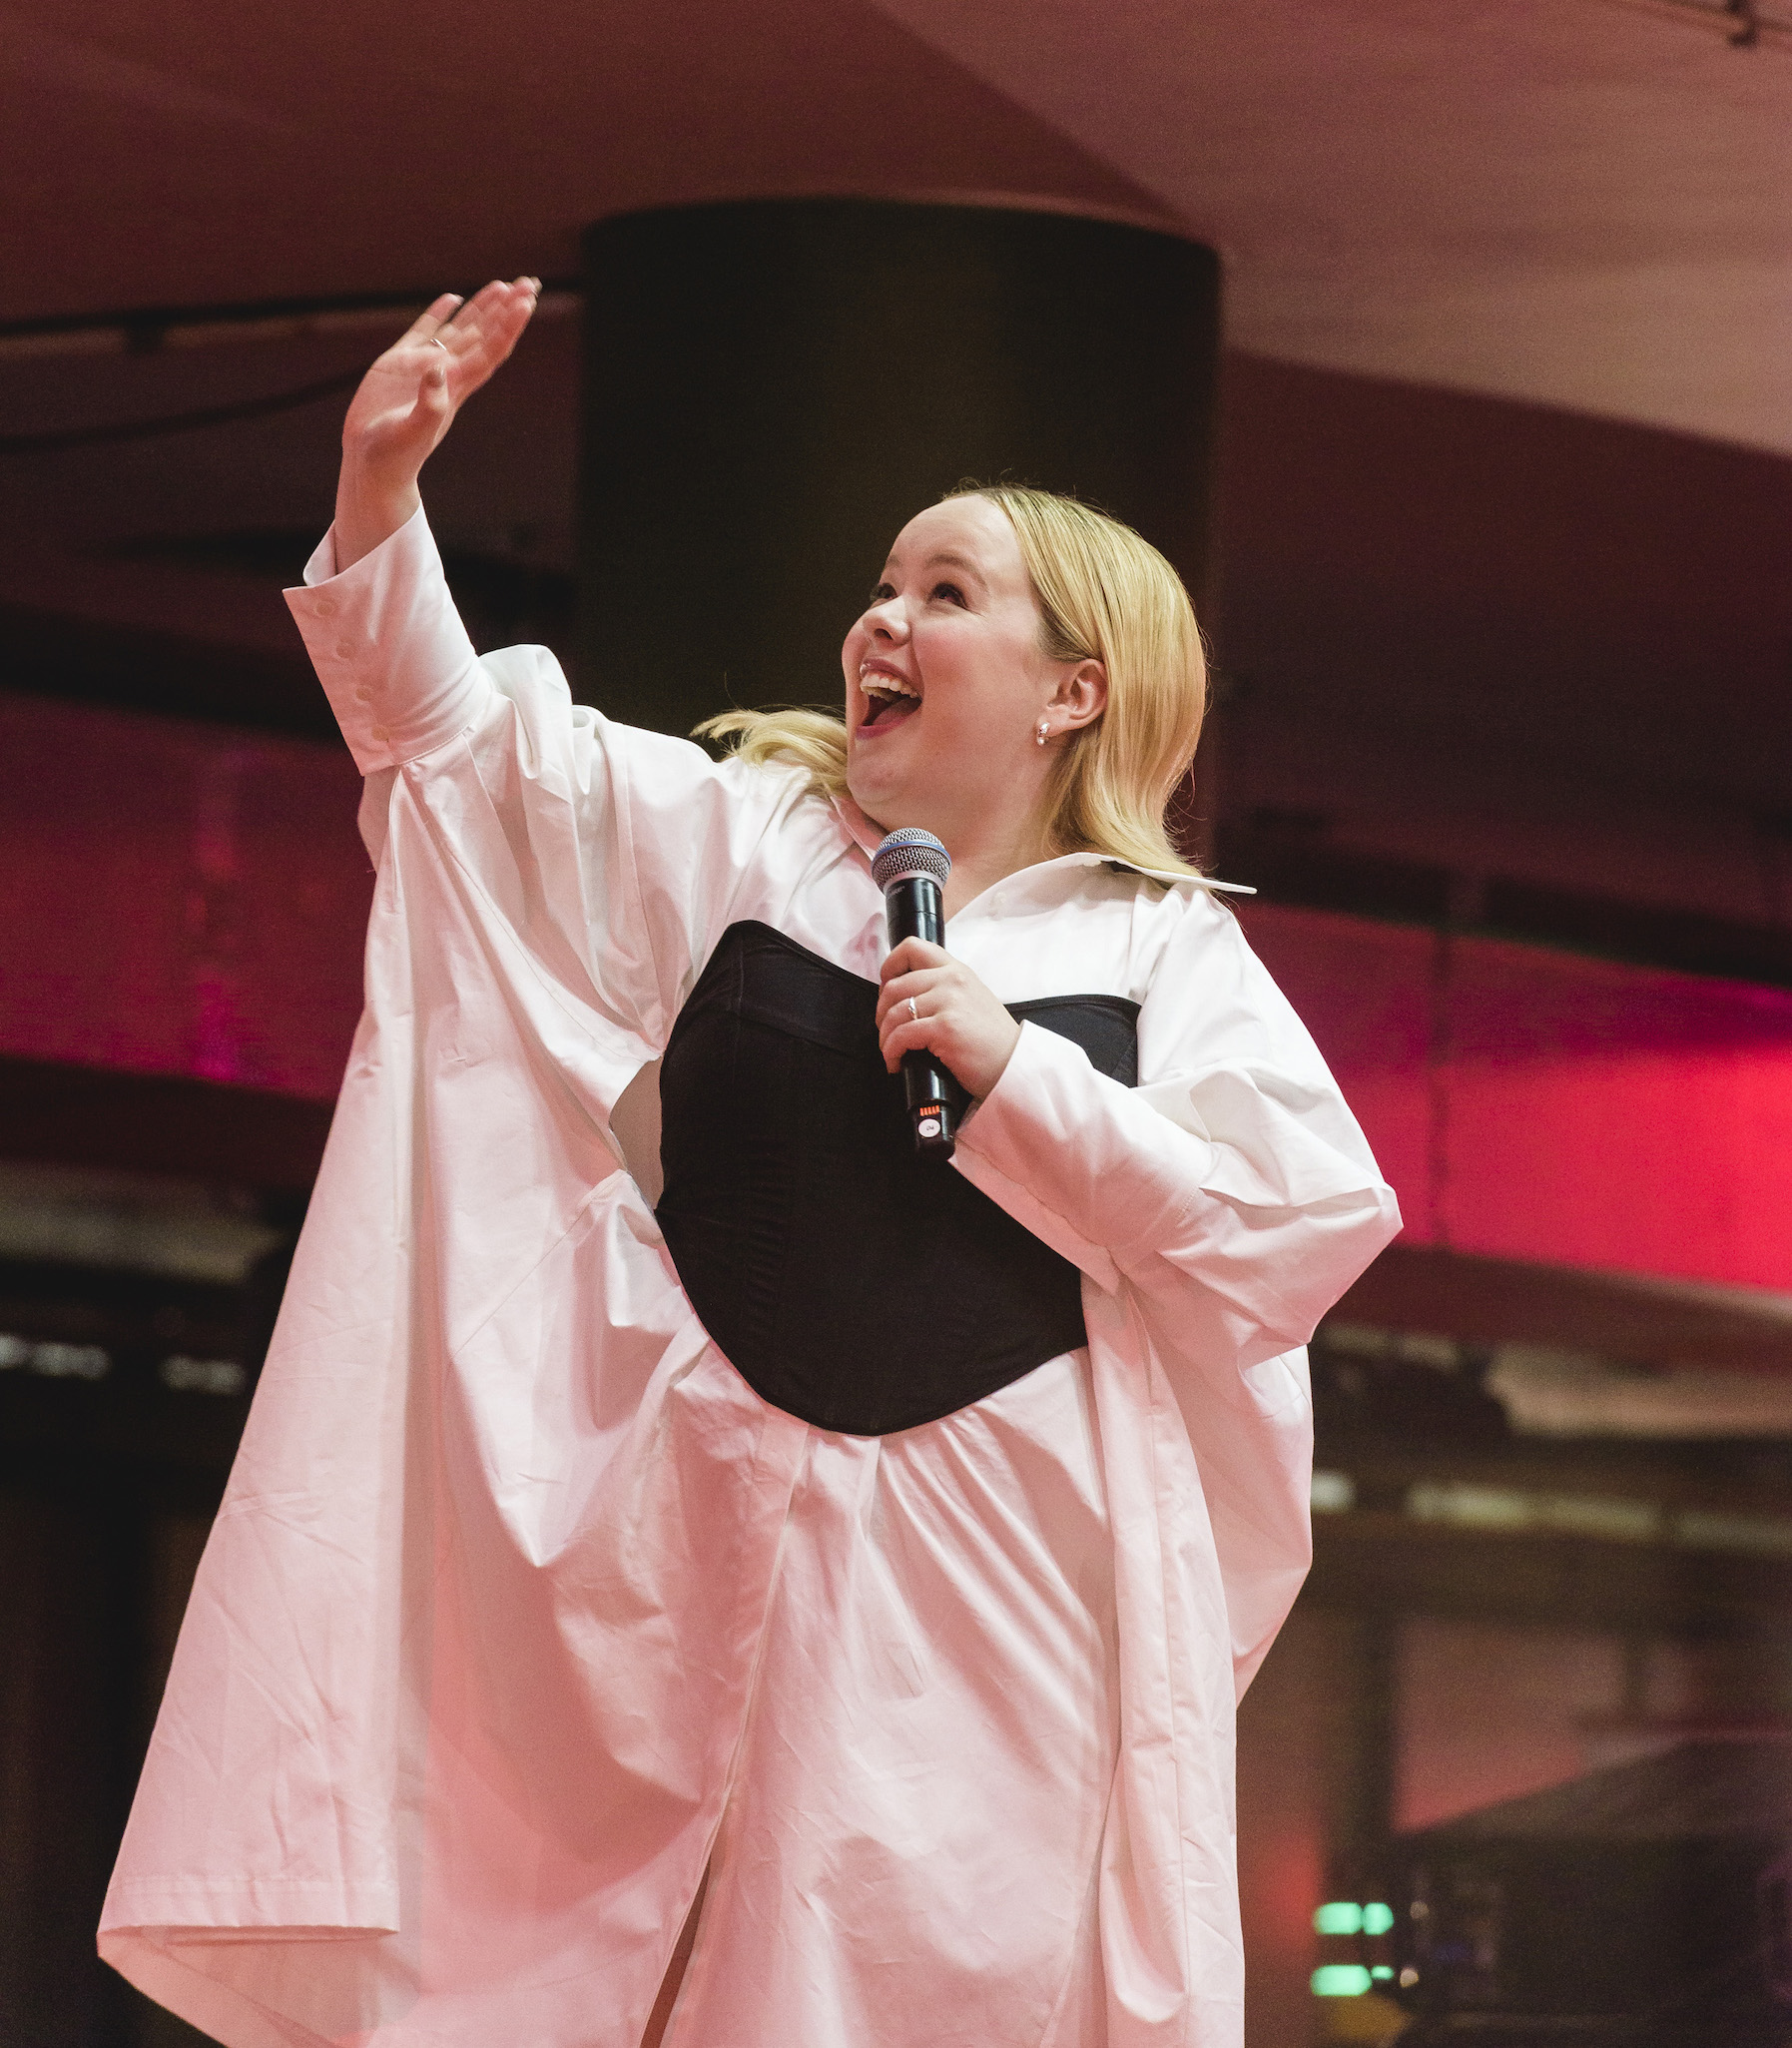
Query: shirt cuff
{"type": "Point", "coordinates": [388, 646]}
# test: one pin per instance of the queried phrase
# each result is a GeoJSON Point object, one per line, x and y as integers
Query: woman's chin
{"type": "Point", "coordinates": [866, 789]}
{"type": "Point", "coordinates": [873, 775]}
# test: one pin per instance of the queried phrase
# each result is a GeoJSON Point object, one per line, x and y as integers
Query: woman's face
{"type": "Point", "coordinates": [946, 680]}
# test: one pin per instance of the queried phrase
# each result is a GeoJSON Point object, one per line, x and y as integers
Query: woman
{"type": "Point", "coordinates": [893, 1656]}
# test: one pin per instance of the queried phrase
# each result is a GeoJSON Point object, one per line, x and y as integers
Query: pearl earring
{"type": "Point", "coordinates": [1043, 732]}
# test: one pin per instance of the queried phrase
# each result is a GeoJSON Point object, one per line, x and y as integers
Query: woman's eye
{"type": "Point", "coordinates": [950, 592]}
{"type": "Point", "coordinates": [882, 593]}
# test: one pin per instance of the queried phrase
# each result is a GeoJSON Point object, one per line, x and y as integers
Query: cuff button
{"type": "Point", "coordinates": [380, 733]}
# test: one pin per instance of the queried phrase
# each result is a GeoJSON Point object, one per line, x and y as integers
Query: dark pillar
{"type": "Point", "coordinates": [774, 388]}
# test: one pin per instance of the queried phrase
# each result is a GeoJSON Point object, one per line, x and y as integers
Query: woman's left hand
{"type": "Point", "coordinates": [954, 1016]}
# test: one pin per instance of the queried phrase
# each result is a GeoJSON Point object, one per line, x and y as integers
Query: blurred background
{"type": "Point", "coordinates": [1448, 351]}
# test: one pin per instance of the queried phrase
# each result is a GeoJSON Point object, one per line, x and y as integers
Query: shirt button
{"type": "Point", "coordinates": [327, 607]}
{"type": "Point", "coordinates": [363, 695]}
{"type": "Point", "coordinates": [380, 733]}
{"type": "Point", "coordinates": [345, 650]}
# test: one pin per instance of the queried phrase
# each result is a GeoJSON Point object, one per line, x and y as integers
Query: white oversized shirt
{"type": "Point", "coordinates": [522, 1609]}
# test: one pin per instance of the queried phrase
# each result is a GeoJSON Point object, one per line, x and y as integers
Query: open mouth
{"type": "Point", "coordinates": [888, 701]}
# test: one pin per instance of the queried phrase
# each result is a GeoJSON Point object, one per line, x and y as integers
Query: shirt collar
{"type": "Point", "coordinates": [1167, 876]}
{"type": "Point", "coordinates": [858, 827]}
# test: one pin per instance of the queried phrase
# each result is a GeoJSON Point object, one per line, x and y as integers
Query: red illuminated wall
{"type": "Point", "coordinates": [1547, 1109]}
{"type": "Point", "coordinates": [184, 899]}
{"type": "Point", "coordinates": [179, 898]}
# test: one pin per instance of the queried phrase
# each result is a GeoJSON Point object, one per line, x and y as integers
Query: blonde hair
{"type": "Point", "coordinates": [1104, 594]}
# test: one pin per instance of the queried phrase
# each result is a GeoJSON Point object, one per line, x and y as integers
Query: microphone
{"type": "Point", "coordinates": [909, 867]}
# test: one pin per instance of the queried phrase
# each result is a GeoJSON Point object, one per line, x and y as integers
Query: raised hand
{"type": "Point", "coordinates": [407, 401]}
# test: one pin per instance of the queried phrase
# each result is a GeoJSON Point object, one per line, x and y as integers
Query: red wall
{"type": "Point", "coordinates": [186, 899]}
{"type": "Point", "coordinates": [1545, 1108]}
{"type": "Point", "coordinates": [178, 898]}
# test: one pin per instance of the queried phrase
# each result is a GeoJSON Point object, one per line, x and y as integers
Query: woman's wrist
{"type": "Point", "coordinates": [370, 509]}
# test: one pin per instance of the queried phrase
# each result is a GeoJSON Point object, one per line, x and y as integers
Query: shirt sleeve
{"type": "Point", "coordinates": [1232, 1192]}
{"type": "Point", "coordinates": [388, 647]}
{"type": "Point", "coordinates": [599, 859]}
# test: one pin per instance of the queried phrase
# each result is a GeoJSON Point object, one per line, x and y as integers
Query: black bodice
{"type": "Point", "coordinates": [850, 1282]}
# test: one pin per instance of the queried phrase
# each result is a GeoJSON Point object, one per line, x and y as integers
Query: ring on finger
{"type": "Point", "coordinates": [913, 1011]}
{"type": "Point", "coordinates": [436, 342]}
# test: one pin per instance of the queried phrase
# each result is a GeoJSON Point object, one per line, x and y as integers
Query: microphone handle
{"type": "Point", "coordinates": [916, 910]}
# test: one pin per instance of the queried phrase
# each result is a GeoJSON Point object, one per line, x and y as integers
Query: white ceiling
{"type": "Point", "coordinates": [1586, 204]}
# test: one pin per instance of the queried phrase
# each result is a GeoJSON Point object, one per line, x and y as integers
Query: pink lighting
{"type": "Point", "coordinates": [1549, 1109]}
{"type": "Point", "coordinates": [179, 898]}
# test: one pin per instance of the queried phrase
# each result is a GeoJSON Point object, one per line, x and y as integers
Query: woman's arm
{"type": "Point", "coordinates": [1235, 1217]}
{"type": "Point", "coordinates": [1233, 1190]}
{"type": "Point", "coordinates": [606, 853]}
{"type": "Point", "coordinates": [374, 609]}
{"type": "Point", "coordinates": [407, 401]}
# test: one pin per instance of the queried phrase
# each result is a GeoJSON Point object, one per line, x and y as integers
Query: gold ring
{"type": "Point", "coordinates": [913, 1012]}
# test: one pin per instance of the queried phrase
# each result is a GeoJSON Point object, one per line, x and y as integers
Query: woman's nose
{"type": "Point", "coordinates": [884, 621]}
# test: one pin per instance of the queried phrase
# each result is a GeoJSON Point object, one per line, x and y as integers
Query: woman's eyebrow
{"type": "Point", "coordinates": [945, 557]}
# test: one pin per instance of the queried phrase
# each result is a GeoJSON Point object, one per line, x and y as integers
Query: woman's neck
{"type": "Point", "coordinates": [976, 868]}
{"type": "Point", "coordinates": [981, 859]}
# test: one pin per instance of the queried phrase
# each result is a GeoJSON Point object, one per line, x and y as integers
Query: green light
{"type": "Point", "coordinates": [1378, 1919]}
{"type": "Point", "coordinates": [1382, 1972]}
{"type": "Point", "coordinates": [1340, 1980]}
{"type": "Point", "coordinates": [1338, 1917]}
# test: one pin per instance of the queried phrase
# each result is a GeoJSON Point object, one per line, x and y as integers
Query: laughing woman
{"type": "Point", "coordinates": [805, 1604]}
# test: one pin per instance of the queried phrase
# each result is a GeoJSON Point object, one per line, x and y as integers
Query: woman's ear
{"type": "Point", "coordinates": [1081, 696]}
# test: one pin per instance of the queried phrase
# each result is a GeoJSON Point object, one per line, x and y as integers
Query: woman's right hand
{"type": "Point", "coordinates": [407, 401]}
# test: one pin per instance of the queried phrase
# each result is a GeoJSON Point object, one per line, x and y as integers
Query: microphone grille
{"type": "Point", "coordinates": [909, 851]}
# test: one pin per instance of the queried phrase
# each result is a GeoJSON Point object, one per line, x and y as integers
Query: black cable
{"type": "Point", "coordinates": [181, 422]}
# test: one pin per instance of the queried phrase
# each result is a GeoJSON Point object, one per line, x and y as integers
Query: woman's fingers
{"type": "Point", "coordinates": [435, 314]}
{"type": "Point", "coordinates": [928, 1000]}
{"type": "Point", "coordinates": [975, 1047]}
{"type": "Point", "coordinates": [466, 326]}
{"type": "Point", "coordinates": [481, 335]}
{"type": "Point", "coordinates": [429, 417]}
{"type": "Point", "coordinates": [486, 328]}
{"type": "Point", "coordinates": [409, 397]}
{"type": "Point", "coordinates": [463, 333]}
{"type": "Point", "coordinates": [897, 993]}
{"type": "Point", "coordinates": [907, 957]}
{"type": "Point", "coordinates": [408, 400]}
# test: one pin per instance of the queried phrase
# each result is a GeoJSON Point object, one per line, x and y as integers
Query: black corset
{"type": "Point", "coordinates": [850, 1282]}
